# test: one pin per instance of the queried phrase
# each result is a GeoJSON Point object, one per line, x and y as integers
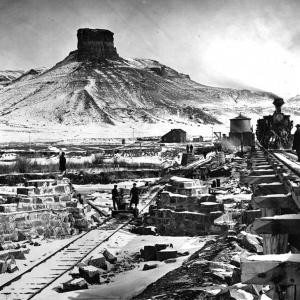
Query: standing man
{"type": "Point", "coordinates": [115, 197]}
{"type": "Point", "coordinates": [296, 142]}
{"type": "Point", "coordinates": [134, 194]}
{"type": "Point", "coordinates": [62, 163]}
{"type": "Point", "coordinates": [187, 148]}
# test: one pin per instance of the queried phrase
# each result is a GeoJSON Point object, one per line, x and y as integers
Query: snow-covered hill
{"type": "Point", "coordinates": [113, 93]}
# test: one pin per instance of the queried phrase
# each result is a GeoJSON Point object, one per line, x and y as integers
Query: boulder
{"type": "Point", "coordinates": [75, 284]}
{"type": "Point", "coordinates": [90, 273]}
{"type": "Point", "coordinates": [109, 256]}
{"type": "Point", "coordinates": [149, 267]}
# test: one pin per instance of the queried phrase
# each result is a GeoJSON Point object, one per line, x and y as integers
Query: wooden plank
{"type": "Point", "coordinates": [262, 172]}
{"type": "Point", "coordinates": [289, 224]}
{"type": "Point", "coordinates": [275, 243]}
{"type": "Point", "coordinates": [280, 269]}
{"type": "Point", "coordinates": [275, 201]}
{"type": "Point", "coordinates": [261, 179]}
{"type": "Point", "coordinates": [267, 167]}
{"type": "Point", "coordinates": [270, 212]}
{"type": "Point", "coordinates": [270, 189]}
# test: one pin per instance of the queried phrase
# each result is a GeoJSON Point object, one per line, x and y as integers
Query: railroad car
{"type": "Point", "coordinates": [274, 131]}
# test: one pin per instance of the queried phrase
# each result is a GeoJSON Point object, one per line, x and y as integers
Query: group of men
{"type": "Point", "coordinates": [117, 197]}
{"type": "Point", "coordinates": [189, 148]}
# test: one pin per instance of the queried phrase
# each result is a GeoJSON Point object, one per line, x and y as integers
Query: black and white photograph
{"type": "Point", "coordinates": [150, 149]}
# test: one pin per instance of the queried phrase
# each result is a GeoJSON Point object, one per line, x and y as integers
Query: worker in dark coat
{"type": "Point", "coordinates": [134, 194]}
{"type": "Point", "coordinates": [115, 197]}
{"type": "Point", "coordinates": [296, 142]}
{"type": "Point", "coordinates": [62, 163]}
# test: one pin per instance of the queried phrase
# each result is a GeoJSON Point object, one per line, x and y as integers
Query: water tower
{"type": "Point", "coordinates": [241, 133]}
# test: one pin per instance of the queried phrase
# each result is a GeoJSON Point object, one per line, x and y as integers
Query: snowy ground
{"type": "Point", "coordinates": [91, 132]}
{"type": "Point", "coordinates": [129, 283]}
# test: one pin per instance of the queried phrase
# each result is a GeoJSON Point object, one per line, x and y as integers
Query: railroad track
{"type": "Point", "coordinates": [34, 280]}
{"type": "Point", "coordinates": [286, 157]}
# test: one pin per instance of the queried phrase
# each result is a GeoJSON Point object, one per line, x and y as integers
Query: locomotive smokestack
{"type": "Point", "coordinates": [278, 102]}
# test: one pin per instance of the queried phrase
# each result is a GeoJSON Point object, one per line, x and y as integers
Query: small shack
{"type": "Point", "coordinates": [174, 136]}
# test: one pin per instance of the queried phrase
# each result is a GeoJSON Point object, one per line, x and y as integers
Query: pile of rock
{"type": "Point", "coordinates": [213, 272]}
{"type": "Point", "coordinates": [95, 270]}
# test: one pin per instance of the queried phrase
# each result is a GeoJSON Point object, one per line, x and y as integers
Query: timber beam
{"type": "Point", "coordinates": [269, 188]}
{"type": "Point", "coordinates": [283, 224]}
{"type": "Point", "coordinates": [275, 201]}
{"type": "Point", "coordinates": [261, 179]}
{"type": "Point", "coordinates": [274, 269]}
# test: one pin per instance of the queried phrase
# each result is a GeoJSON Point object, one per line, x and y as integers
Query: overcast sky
{"type": "Point", "coordinates": [231, 43]}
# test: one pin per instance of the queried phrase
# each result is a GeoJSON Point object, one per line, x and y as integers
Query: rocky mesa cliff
{"type": "Point", "coordinates": [94, 85]}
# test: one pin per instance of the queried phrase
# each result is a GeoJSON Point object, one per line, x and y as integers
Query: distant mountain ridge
{"type": "Point", "coordinates": [7, 76]}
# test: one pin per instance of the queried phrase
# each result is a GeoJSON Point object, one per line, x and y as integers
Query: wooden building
{"type": "Point", "coordinates": [174, 136]}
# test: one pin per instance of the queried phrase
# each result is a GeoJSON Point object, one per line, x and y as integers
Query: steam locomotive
{"type": "Point", "coordinates": [274, 131]}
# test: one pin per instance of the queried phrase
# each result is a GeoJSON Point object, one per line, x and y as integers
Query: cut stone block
{"type": "Point", "coordinates": [159, 247]}
{"type": "Point", "coordinates": [98, 261]}
{"type": "Point", "coordinates": [109, 257]}
{"type": "Point", "coordinates": [90, 273]}
{"type": "Point", "coordinates": [149, 267]}
{"type": "Point", "coordinates": [74, 273]}
{"type": "Point", "coordinates": [3, 266]}
{"type": "Point", "coordinates": [148, 253]}
{"type": "Point", "coordinates": [166, 254]}
{"type": "Point", "coordinates": [75, 284]}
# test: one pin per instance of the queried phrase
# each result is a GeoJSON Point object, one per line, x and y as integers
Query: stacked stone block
{"type": "Point", "coordinates": [170, 222]}
{"type": "Point", "coordinates": [20, 225]}
{"type": "Point", "coordinates": [183, 209]}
